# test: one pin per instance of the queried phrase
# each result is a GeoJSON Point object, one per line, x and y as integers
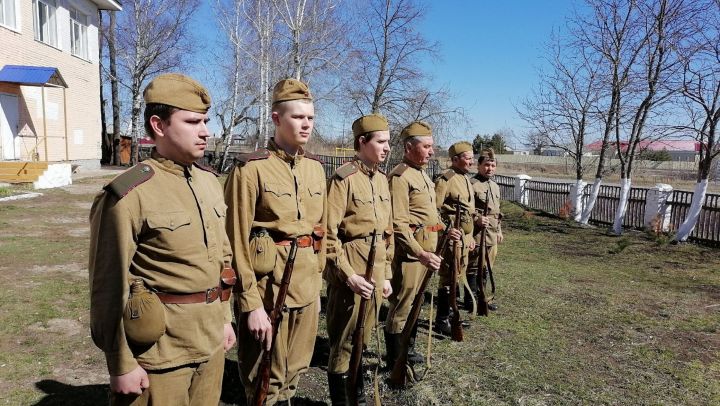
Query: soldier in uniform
{"type": "Point", "coordinates": [487, 194]}
{"type": "Point", "coordinates": [415, 230]}
{"type": "Point", "coordinates": [358, 207]}
{"type": "Point", "coordinates": [159, 308]}
{"type": "Point", "coordinates": [275, 195]}
{"type": "Point", "coordinates": [453, 188]}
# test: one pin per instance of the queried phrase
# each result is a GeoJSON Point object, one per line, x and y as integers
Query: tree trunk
{"type": "Point", "coordinates": [587, 211]}
{"type": "Point", "coordinates": [625, 184]}
{"type": "Point", "coordinates": [106, 142]}
{"type": "Point", "coordinates": [694, 213]}
{"type": "Point", "coordinates": [112, 52]}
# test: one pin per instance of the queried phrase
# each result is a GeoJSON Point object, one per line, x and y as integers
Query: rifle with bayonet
{"type": "Point", "coordinates": [398, 375]}
{"type": "Point", "coordinates": [359, 333]}
{"type": "Point", "coordinates": [262, 383]}
{"type": "Point", "coordinates": [456, 330]}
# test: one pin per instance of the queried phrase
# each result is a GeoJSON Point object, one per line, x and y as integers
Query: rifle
{"type": "Point", "coordinates": [483, 259]}
{"type": "Point", "coordinates": [263, 375]}
{"type": "Point", "coordinates": [398, 376]}
{"type": "Point", "coordinates": [456, 330]}
{"type": "Point", "coordinates": [359, 333]}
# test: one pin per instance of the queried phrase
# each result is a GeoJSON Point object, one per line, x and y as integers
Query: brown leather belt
{"type": "Point", "coordinates": [433, 229]}
{"type": "Point", "coordinates": [207, 296]}
{"type": "Point", "coordinates": [304, 241]}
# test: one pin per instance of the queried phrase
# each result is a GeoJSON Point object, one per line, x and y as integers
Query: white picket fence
{"type": "Point", "coordinates": [659, 208]}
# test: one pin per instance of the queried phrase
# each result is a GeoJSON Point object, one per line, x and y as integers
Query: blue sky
{"type": "Point", "coordinates": [490, 52]}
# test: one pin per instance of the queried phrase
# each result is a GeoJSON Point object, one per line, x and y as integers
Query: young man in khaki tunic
{"type": "Point", "coordinates": [161, 226]}
{"type": "Point", "coordinates": [415, 229]}
{"type": "Point", "coordinates": [275, 195]}
{"type": "Point", "coordinates": [358, 208]}
{"type": "Point", "coordinates": [453, 188]}
{"type": "Point", "coordinates": [487, 193]}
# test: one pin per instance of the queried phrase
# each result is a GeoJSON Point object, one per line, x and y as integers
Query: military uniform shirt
{"type": "Point", "coordinates": [170, 232]}
{"type": "Point", "coordinates": [453, 188]}
{"type": "Point", "coordinates": [286, 195]}
{"type": "Point", "coordinates": [358, 206]}
{"type": "Point", "coordinates": [480, 187]}
{"type": "Point", "coordinates": [413, 204]}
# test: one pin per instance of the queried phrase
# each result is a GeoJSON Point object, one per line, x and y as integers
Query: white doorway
{"type": "Point", "coordinates": [8, 125]}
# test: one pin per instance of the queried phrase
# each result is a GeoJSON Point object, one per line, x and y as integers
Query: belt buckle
{"type": "Point", "coordinates": [211, 295]}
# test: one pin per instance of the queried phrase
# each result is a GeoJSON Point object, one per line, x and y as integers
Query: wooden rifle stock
{"type": "Point", "coordinates": [456, 330]}
{"type": "Point", "coordinates": [398, 375]}
{"type": "Point", "coordinates": [359, 333]}
{"type": "Point", "coordinates": [262, 383]}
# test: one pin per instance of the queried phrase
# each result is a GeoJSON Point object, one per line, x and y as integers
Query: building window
{"type": "Point", "coordinates": [78, 34]}
{"type": "Point", "coordinates": [7, 13]}
{"type": "Point", "coordinates": [44, 21]}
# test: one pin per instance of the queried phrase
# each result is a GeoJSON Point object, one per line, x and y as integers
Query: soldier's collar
{"type": "Point", "coordinates": [412, 164]}
{"type": "Point", "coordinates": [458, 170]}
{"type": "Point", "coordinates": [482, 178]}
{"type": "Point", "coordinates": [280, 153]}
{"type": "Point", "coordinates": [171, 166]}
{"type": "Point", "coordinates": [368, 170]}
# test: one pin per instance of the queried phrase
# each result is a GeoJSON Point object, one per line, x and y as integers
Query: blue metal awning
{"type": "Point", "coordinates": [32, 75]}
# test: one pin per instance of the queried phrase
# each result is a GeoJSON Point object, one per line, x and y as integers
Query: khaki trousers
{"type": "Point", "coordinates": [292, 352]}
{"type": "Point", "coordinates": [342, 314]}
{"type": "Point", "coordinates": [476, 262]}
{"type": "Point", "coordinates": [189, 385]}
{"type": "Point", "coordinates": [407, 277]}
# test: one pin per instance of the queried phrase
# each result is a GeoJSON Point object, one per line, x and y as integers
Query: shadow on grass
{"type": "Point", "coordinates": [58, 393]}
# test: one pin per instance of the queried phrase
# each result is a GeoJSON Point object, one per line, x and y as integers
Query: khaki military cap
{"type": "Point", "coordinates": [417, 129]}
{"type": "Point", "coordinates": [488, 154]}
{"type": "Point", "coordinates": [369, 123]}
{"type": "Point", "coordinates": [177, 90]}
{"type": "Point", "coordinates": [290, 89]}
{"type": "Point", "coordinates": [459, 147]}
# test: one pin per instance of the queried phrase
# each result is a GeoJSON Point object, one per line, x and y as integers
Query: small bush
{"type": "Point", "coordinates": [620, 245]}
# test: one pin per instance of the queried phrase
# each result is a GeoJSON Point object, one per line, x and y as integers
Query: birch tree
{"type": "Point", "coordinates": [153, 38]}
{"type": "Point", "coordinates": [386, 78]}
{"type": "Point", "coordinates": [701, 92]}
{"type": "Point", "coordinates": [562, 112]}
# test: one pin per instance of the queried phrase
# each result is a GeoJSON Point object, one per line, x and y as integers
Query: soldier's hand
{"type": "Point", "coordinates": [455, 234]}
{"type": "Point", "coordinates": [472, 245]}
{"type": "Point", "coordinates": [483, 221]}
{"type": "Point", "coordinates": [260, 327]}
{"type": "Point", "coordinates": [228, 336]}
{"type": "Point", "coordinates": [360, 286]}
{"type": "Point", "coordinates": [387, 289]}
{"type": "Point", "coordinates": [500, 238]}
{"type": "Point", "coordinates": [132, 382]}
{"type": "Point", "coordinates": [430, 260]}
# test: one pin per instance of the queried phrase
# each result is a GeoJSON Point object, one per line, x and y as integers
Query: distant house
{"type": "Point", "coordinates": [679, 150]}
{"type": "Point", "coordinates": [553, 151]}
{"type": "Point", "coordinates": [50, 80]}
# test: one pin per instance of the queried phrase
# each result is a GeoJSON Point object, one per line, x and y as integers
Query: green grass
{"type": "Point", "coordinates": [585, 318]}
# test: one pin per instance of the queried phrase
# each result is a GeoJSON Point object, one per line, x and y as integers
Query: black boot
{"type": "Point", "coordinates": [414, 357]}
{"type": "Point", "coordinates": [442, 319]}
{"type": "Point", "coordinates": [391, 348]}
{"type": "Point", "coordinates": [360, 389]}
{"type": "Point", "coordinates": [467, 299]}
{"type": "Point", "coordinates": [491, 304]}
{"type": "Point", "coordinates": [337, 383]}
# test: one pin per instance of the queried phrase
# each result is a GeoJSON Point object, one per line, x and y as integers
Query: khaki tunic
{"type": "Point", "coordinates": [358, 207]}
{"type": "Point", "coordinates": [286, 196]}
{"type": "Point", "coordinates": [413, 204]}
{"type": "Point", "coordinates": [170, 232]}
{"type": "Point", "coordinates": [453, 188]}
{"type": "Point", "coordinates": [491, 199]}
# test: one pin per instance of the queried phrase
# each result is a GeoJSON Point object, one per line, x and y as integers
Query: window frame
{"type": "Point", "coordinates": [76, 17]}
{"type": "Point", "coordinates": [12, 7]}
{"type": "Point", "coordinates": [51, 22]}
